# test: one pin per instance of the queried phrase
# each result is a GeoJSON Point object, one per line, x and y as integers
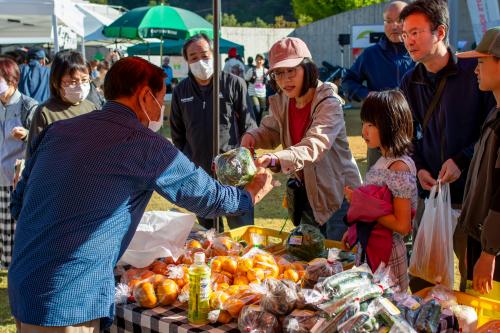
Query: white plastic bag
{"type": "Point", "coordinates": [432, 256]}
{"type": "Point", "coordinates": [159, 234]}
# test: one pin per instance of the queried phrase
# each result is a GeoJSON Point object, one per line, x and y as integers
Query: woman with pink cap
{"type": "Point", "coordinates": [306, 119]}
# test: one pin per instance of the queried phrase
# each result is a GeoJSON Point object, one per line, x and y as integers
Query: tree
{"type": "Point", "coordinates": [280, 22]}
{"type": "Point", "coordinates": [318, 9]}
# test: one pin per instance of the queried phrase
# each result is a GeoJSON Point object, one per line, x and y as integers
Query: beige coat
{"type": "Point", "coordinates": [323, 154]}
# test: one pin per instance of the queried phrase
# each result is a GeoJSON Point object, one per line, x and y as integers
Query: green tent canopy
{"type": "Point", "coordinates": [162, 22]}
{"type": "Point", "coordinates": [174, 47]}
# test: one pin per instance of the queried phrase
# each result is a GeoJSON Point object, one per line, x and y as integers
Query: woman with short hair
{"type": "Point", "coordinates": [69, 88]}
{"type": "Point", "coordinates": [306, 118]}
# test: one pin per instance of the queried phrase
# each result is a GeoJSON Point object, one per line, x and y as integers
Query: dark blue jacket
{"type": "Point", "coordinates": [34, 81]}
{"type": "Point", "coordinates": [455, 124]}
{"type": "Point", "coordinates": [382, 65]}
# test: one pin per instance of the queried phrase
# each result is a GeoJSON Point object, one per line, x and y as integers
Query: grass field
{"type": "Point", "coordinates": [269, 213]}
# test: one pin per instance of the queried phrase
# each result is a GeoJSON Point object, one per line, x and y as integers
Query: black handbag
{"type": "Point", "coordinates": [298, 205]}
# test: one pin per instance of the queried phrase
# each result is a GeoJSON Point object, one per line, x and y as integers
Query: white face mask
{"type": "Point", "coordinates": [157, 124]}
{"type": "Point", "coordinates": [77, 93]}
{"type": "Point", "coordinates": [202, 69]}
{"type": "Point", "coordinates": [3, 87]}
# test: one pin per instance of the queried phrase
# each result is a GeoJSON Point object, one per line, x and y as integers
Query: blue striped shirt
{"type": "Point", "coordinates": [78, 204]}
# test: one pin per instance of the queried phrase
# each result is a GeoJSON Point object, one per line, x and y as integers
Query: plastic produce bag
{"type": "Point", "coordinates": [159, 234]}
{"type": "Point", "coordinates": [254, 319]}
{"type": "Point", "coordinates": [305, 242]}
{"type": "Point", "coordinates": [322, 268]}
{"type": "Point", "coordinates": [279, 298]}
{"type": "Point", "coordinates": [300, 321]}
{"type": "Point", "coordinates": [235, 167]}
{"type": "Point", "coordinates": [432, 257]}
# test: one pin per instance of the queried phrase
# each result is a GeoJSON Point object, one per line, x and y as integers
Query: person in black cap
{"type": "Point", "coordinates": [34, 81]}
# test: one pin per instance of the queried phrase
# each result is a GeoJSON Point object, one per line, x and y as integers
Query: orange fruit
{"type": "Point", "coordinates": [159, 267]}
{"type": "Point", "coordinates": [193, 244]}
{"type": "Point", "coordinates": [144, 294]}
{"type": "Point", "coordinates": [224, 317]}
{"type": "Point", "coordinates": [132, 283]}
{"type": "Point", "coordinates": [256, 275]}
{"type": "Point", "coordinates": [167, 292]}
{"type": "Point", "coordinates": [240, 280]}
{"type": "Point", "coordinates": [216, 265]}
{"type": "Point", "coordinates": [157, 279]}
{"type": "Point", "coordinates": [291, 274]}
{"type": "Point", "coordinates": [230, 265]}
{"type": "Point", "coordinates": [244, 265]}
{"type": "Point", "coordinates": [222, 286]}
{"type": "Point", "coordinates": [233, 290]}
{"type": "Point", "coordinates": [217, 298]}
{"type": "Point", "coordinates": [233, 306]}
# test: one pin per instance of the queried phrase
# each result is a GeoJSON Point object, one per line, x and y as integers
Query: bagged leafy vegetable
{"type": "Point", "coordinates": [235, 167]}
{"type": "Point", "coordinates": [305, 242]}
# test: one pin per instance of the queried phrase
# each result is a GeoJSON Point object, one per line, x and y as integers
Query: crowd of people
{"type": "Point", "coordinates": [93, 158]}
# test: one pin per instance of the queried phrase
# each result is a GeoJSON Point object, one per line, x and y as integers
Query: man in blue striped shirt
{"type": "Point", "coordinates": [83, 192]}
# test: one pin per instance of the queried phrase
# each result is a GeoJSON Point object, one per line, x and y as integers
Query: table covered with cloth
{"type": "Point", "coordinates": [131, 318]}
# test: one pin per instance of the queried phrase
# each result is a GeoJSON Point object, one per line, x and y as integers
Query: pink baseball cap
{"type": "Point", "coordinates": [288, 52]}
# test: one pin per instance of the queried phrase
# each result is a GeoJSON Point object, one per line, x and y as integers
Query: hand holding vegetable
{"type": "Point", "coordinates": [261, 184]}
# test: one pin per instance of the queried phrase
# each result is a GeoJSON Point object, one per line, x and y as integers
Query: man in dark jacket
{"type": "Point", "coordinates": [191, 116]}
{"type": "Point", "coordinates": [446, 130]}
{"type": "Point", "coordinates": [382, 65]}
{"type": "Point", "coordinates": [34, 80]}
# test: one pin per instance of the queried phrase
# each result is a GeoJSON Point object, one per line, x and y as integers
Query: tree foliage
{"type": "Point", "coordinates": [229, 20]}
{"type": "Point", "coordinates": [317, 9]}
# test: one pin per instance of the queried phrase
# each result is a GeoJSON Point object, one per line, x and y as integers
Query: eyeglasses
{"type": "Point", "coordinates": [414, 34]}
{"type": "Point", "coordinates": [284, 73]}
{"type": "Point", "coordinates": [73, 83]}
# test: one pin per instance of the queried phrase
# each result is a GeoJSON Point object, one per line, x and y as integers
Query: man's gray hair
{"type": "Point", "coordinates": [194, 39]}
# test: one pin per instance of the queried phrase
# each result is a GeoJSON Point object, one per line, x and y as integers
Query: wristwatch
{"type": "Point", "coordinates": [274, 165]}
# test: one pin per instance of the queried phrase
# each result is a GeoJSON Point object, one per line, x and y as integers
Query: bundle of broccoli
{"type": "Point", "coordinates": [235, 167]}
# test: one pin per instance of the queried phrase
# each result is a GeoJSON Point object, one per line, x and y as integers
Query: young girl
{"type": "Point", "coordinates": [387, 126]}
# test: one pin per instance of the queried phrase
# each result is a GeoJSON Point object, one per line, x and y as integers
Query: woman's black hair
{"type": "Point", "coordinates": [389, 111]}
{"type": "Point", "coordinates": [311, 77]}
{"type": "Point", "coordinates": [65, 62]}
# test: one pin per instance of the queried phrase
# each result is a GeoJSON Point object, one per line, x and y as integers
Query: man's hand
{"type": "Point", "coordinates": [483, 273]}
{"type": "Point", "coordinates": [348, 193]}
{"type": "Point", "coordinates": [449, 172]}
{"type": "Point", "coordinates": [425, 179]}
{"type": "Point", "coordinates": [19, 133]}
{"type": "Point", "coordinates": [261, 185]}
{"type": "Point", "coordinates": [247, 141]}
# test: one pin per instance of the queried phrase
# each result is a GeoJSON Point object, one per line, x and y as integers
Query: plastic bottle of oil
{"type": "Point", "coordinates": [199, 290]}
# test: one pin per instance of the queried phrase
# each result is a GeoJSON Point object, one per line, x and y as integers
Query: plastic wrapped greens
{"type": "Point", "coordinates": [305, 242]}
{"type": "Point", "coordinates": [235, 167]}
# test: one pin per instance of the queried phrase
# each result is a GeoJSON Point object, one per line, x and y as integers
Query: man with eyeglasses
{"type": "Point", "coordinates": [448, 109]}
{"type": "Point", "coordinates": [382, 65]}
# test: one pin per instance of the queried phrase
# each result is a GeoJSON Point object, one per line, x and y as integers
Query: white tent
{"type": "Point", "coordinates": [38, 21]}
{"type": "Point", "coordinates": [24, 21]}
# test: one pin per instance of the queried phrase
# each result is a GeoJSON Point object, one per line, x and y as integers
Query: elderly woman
{"type": "Point", "coordinates": [306, 118]}
{"type": "Point", "coordinates": [16, 111]}
{"type": "Point", "coordinates": [69, 88]}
